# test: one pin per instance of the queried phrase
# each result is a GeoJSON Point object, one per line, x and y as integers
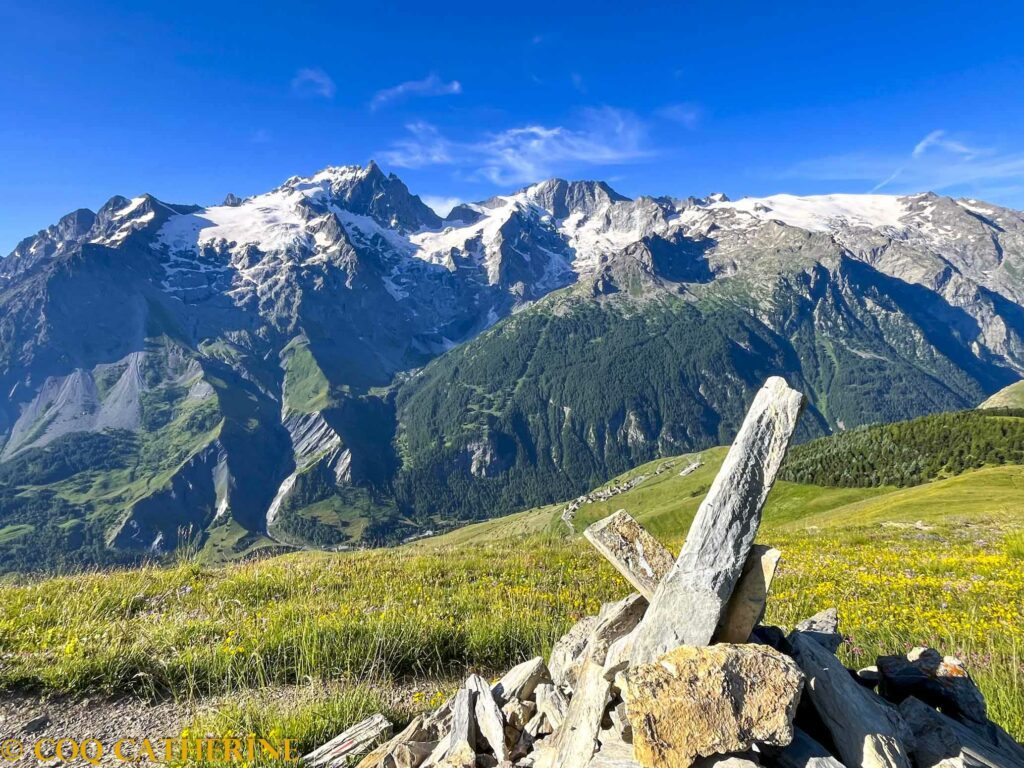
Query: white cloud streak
{"type": "Point", "coordinates": [684, 113]}
{"type": "Point", "coordinates": [527, 153]}
{"type": "Point", "coordinates": [937, 162]}
{"type": "Point", "coordinates": [432, 85]}
{"type": "Point", "coordinates": [314, 82]}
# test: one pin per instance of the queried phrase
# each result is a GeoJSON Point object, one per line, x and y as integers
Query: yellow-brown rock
{"type": "Point", "coordinates": [699, 701]}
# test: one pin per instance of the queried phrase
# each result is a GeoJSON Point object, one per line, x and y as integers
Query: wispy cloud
{"type": "Point", "coordinates": [684, 113]}
{"type": "Point", "coordinates": [940, 140]}
{"type": "Point", "coordinates": [431, 85]}
{"type": "Point", "coordinates": [937, 162]}
{"type": "Point", "coordinates": [314, 82]}
{"type": "Point", "coordinates": [603, 137]}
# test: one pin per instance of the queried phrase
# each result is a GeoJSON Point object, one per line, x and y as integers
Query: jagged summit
{"type": "Point", "coordinates": [563, 198]}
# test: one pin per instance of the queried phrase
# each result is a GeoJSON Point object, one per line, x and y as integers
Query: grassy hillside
{"type": "Point", "coordinates": [1010, 397]}
{"type": "Point", "coordinates": [910, 452]}
{"type": "Point", "coordinates": [940, 563]}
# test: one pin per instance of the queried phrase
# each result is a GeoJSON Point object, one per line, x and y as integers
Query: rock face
{"type": "Point", "coordinates": [697, 702]}
{"type": "Point", "coordinates": [689, 602]}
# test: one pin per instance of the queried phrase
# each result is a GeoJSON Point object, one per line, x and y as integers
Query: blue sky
{"type": "Point", "coordinates": [189, 101]}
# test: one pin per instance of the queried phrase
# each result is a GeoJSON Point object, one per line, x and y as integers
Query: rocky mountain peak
{"type": "Point", "coordinates": [368, 192]}
{"type": "Point", "coordinates": [563, 198]}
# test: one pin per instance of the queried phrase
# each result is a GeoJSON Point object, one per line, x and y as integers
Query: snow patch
{"type": "Point", "coordinates": [823, 213]}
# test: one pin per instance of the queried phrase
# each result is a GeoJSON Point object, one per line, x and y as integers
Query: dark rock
{"type": "Point", "coordinates": [942, 682]}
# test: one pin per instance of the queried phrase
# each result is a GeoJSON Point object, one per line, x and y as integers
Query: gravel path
{"type": "Point", "coordinates": [29, 718]}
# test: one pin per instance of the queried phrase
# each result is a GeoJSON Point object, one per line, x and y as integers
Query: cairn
{"type": "Point", "coordinates": [682, 673]}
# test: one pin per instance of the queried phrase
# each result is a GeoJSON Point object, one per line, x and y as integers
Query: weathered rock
{"type": "Point", "coordinates": [990, 746]}
{"type": "Point", "coordinates": [688, 603]}
{"type": "Point", "coordinates": [614, 758]}
{"type": "Point", "coordinates": [530, 733]}
{"type": "Point", "coordinates": [458, 748]}
{"type": "Point", "coordinates": [746, 606]}
{"type": "Point", "coordinates": [553, 704]}
{"type": "Point", "coordinates": [567, 655]}
{"type": "Point", "coordinates": [637, 555]}
{"type": "Point", "coordinates": [616, 620]}
{"type": "Point", "coordinates": [415, 732]}
{"type": "Point", "coordinates": [520, 681]}
{"type": "Point", "coordinates": [866, 730]}
{"type": "Point", "coordinates": [409, 754]}
{"type": "Point", "coordinates": [490, 721]}
{"type": "Point", "coordinates": [517, 714]}
{"type": "Point", "coordinates": [613, 750]}
{"type": "Point", "coordinates": [346, 745]}
{"type": "Point", "coordinates": [725, 761]}
{"type": "Point", "coordinates": [936, 744]}
{"type": "Point", "coordinates": [802, 752]}
{"type": "Point", "coordinates": [620, 722]}
{"type": "Point", "coordinates": [940, 681]}
{"type": "Point", "coordinates": [576, 739]}
{"type": "Point", "coordinates": [823, 627]}
{"type": "Point", "coordinates": [702, 701]}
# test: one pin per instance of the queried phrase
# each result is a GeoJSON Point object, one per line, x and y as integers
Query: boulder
{"type": "Point", "coordinates": [567, 654]}
{"type": "Point", "coordinates": [490, 720]}
{"type": "Point", "coordinates": [520, 681]}
{"type": "Point", "coordinates": [936, 744]}
{"type": "Point", "coordinates": [702, 701]}
{"type": "Point", "coordinates": [637, 555]}
{"type": "Point", "coordinates": [746, 606]}
{"type": "Point", "coordinates": [941, 681]}
{"type": "Point", "coordinates": [340, 750]}
{"type": "Point", "coordinates": [802, 752]}
{"type": "Point", "coordinates": [990, 746]}
{"type": "Point", "coordinates": [575, 740]}
{"type": "Point", "coordinates": [387, 754]}
{"type": "Point", "coordinates": [868, 731]}
{"type": "Point", "coordinates": [823, 628]}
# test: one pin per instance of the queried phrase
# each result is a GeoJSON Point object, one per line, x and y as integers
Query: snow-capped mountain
{"type": "Point", "coordinates": [333, 362]}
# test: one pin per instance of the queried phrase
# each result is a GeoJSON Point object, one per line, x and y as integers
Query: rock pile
{"type": "Point", "coordinates": [682, 673]}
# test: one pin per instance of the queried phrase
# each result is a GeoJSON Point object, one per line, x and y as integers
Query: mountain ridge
{"type": "Point", "coordinates": [331, 362]}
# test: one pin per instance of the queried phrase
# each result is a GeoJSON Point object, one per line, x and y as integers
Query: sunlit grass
{"type": "Point", "coordinates": [369, 619]}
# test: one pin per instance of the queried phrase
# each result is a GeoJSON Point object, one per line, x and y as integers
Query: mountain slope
{"type": "Point", "coordinates": [332, 363]}
{"type": "Point", "coordinates": [664, 494]}
{"type": "Point", "coordinates": [1010, 397]}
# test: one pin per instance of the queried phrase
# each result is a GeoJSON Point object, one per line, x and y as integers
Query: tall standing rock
{"type": "Point", "coordinates": [688, 603]}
